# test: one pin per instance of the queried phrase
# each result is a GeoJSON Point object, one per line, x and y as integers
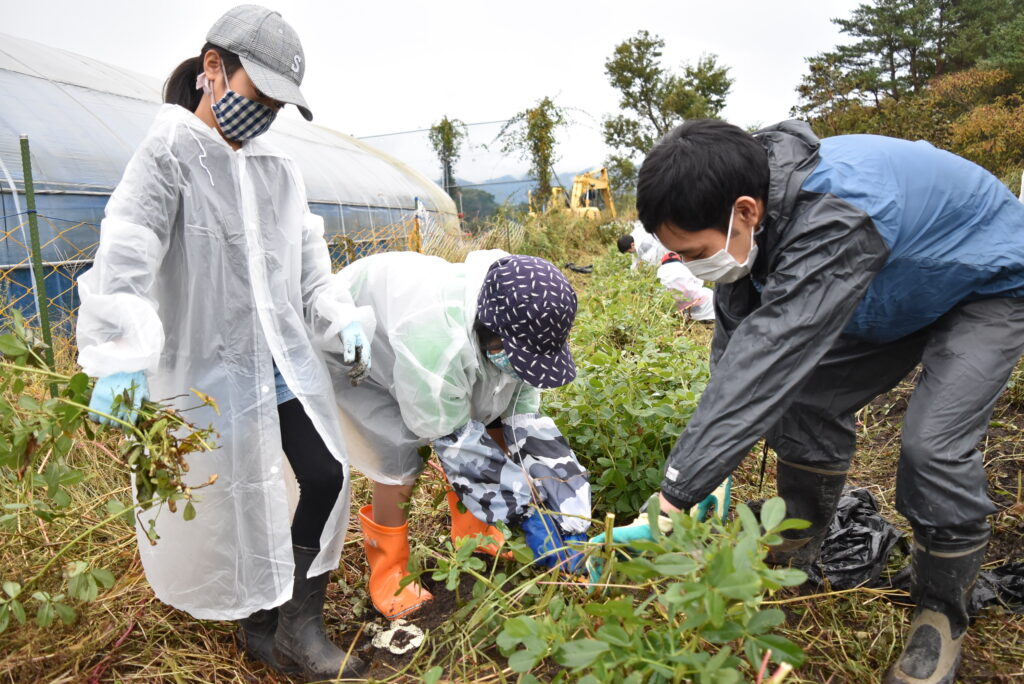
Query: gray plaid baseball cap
{"type": "Point", "coordinates": [269, 49]}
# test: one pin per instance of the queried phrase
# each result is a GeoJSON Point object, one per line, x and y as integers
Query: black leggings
{"type": "Point", "coordinates": [319, 474]}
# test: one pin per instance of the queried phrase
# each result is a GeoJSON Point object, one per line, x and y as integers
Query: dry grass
{"type": "Point", "coordinates": [852, 636]}
{"type": "Point", "coordinates": [129, 636]}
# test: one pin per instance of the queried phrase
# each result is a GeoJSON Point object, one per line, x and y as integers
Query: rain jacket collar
{"type": "Point", "coordinates": [181, 116]}
{"type": "Point", "coordinates": [792, 149]}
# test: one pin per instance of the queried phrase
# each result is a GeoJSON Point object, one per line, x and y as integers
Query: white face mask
{"type": "Point", "coordinates": [722, 267]}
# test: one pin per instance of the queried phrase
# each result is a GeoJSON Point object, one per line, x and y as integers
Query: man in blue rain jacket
{"type": "Point", "coordinates": [841, 265]}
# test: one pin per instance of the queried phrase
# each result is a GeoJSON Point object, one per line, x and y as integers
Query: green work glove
{"type": "Point", "coordinates": [638, 530]}
{"type": "Point", "coordinates": [716, 503]}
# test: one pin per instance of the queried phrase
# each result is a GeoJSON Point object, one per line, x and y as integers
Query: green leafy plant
{"type": "Point", "coordinates": [637, 385]}
{"type": "Point", "coordinates": [446, 137]}
{"type": "Point", "coordinates": [686, 606]}
{"type": "Point", "coordinates": [43, 427]}
{"type": "Point", "coordinates": [531, 134]}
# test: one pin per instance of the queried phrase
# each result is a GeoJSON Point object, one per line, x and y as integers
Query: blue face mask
{"type": "Point", "coordinates": [501, 360]}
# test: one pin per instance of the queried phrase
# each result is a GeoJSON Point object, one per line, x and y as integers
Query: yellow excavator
{"type": "Point", "coordinates": [586, 188]}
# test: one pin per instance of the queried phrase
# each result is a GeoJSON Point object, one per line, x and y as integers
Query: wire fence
{"type": "Point", "coordinates": [67, 251]}
{"type": "Point", "coordinates": [68, 248]}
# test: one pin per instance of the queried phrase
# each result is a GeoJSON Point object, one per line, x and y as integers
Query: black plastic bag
{"type": "Point", "coordinates": [860, 541]}
{"type": "Point", "coordinates": [1003, 586]}
{"type": "Point", "coordinates": [857, 547]}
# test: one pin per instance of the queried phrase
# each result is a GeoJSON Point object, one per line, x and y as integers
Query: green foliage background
{"type": "Point", "coordinates": [947, 71]}
{"type": "Point", "coordinates": [638, 382]}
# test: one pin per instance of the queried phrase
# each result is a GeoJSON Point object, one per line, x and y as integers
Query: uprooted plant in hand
{"type": "Point", "coordinates": [48, 454]}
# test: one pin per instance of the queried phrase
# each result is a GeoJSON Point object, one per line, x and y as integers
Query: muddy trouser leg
{"type": "Point", "coordinates": [941, 485]}
{"type": "Point", "coordinates": [815, 438]}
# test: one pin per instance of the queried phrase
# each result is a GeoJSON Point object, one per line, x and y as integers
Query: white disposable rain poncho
{"type": "Point", "coordinates": [647, 245]}
{"type": "Point", "coordinates": [210, 266]}
{"type": "Point", "coordinates": [690, 294]}
{"type": "Point", "coordinates": [429, 376]}
{"type": "Point", "coordinates": [431, 383]}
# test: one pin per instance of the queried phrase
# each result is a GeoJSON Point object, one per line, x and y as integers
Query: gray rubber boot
{"type": "Point", "coordinates": [810, 494]}
{"type": "Point", "coordinates": [255, 636]}
{"type": "Point", "coordinates": [941, 588]}
{"type": "Point", "coordinates": [300, 640]}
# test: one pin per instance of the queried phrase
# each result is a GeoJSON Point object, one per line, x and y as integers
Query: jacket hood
{"type": "Point", "coordinates": [792, 149]}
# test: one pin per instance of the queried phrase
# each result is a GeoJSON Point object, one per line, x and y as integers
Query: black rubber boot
{"type": "Point", "coordinates": [810, 494]}
{"type": "Point", "coordinates": [255, 636]}
{"type": "Point", "coordinates": [300, 640]}
{"type": "Point", "coordinates": [943, 578]}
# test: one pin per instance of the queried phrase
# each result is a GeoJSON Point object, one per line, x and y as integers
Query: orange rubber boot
{"type": "Point", "coordinates": [465, 524]}
{"type": "Point", "coordinates": [387, 552]}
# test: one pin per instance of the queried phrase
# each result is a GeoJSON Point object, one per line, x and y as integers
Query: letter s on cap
{"type": "Point", "coordinates": [297, 63]}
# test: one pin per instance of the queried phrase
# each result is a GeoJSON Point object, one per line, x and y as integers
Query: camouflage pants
{"type": "Point", "coordinates": [539, 469]}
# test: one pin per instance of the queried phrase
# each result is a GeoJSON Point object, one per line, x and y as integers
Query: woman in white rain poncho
{"type": "Point", "coordinates": [460, 351]}
{"type": "Point", "coordinates": [211, 272]}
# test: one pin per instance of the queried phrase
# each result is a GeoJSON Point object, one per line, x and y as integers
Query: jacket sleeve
{"type": "Point", "coordinates": [326, 299]}
{"type": "Point", "coordinates": [823, 267]}
{"type": "Point", "coordinates": [119, 329]}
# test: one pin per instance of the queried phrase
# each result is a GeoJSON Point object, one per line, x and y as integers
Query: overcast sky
{"type": "Point", "coordinates": [378, 67]}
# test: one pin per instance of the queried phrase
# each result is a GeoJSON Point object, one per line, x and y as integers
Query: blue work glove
{"type": "Point", "coordinates": [716, 503]}
{"type": "Point", "coordinates": [640, 529]}
{"type": "Point", "coordinates": [548, 543]}
{"type": "Point", "coordinates": [356, 351]}
{"type": "Point", "coordinates": [109, 388]}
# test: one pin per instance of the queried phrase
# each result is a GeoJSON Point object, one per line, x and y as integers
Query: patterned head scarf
{"type": "Point", "coordinates": [530, 305]}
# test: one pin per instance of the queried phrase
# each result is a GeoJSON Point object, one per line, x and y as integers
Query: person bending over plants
{"type": "Point", "coordinates": [842, 264]}
{"type": "Point", "coordinates": [460, 352]}
{"type": "Point", "coordinates": [688, 290]}
{"type": "Point", "coordinates": [693, 300]}
{"type": "Point", "coordinates": [641, 246]}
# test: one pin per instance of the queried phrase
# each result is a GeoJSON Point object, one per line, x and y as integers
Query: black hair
{"type": "Point", "coordinates": [180, 86]}
{"type": "Point", "coordinates": [624, 243]}
{"type": "Point", "coordinates": [484, 335]}
{"type": "Point", "coordinates": [696, 172]}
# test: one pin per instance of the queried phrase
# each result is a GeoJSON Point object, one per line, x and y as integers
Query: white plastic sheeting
{"type": "Point", "coordinates": [84, 119]}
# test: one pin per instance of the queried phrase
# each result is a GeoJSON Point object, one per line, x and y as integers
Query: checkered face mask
{"type": "Point", "coordinates": [239, 118]}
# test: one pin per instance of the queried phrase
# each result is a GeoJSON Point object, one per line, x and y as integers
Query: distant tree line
{"type": "Point", "coordinates": [947, 71]}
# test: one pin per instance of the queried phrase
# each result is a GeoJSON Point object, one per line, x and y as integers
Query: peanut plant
{"type": "Point", "coordinates": [44, 479]}
{"type": "Point", "coordinates": [687, 606]}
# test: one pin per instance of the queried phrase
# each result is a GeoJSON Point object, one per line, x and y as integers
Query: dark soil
{"type": "Point", "coordinates": [382, 662]}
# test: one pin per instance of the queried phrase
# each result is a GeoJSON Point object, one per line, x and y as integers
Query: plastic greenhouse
{"type": "Point", "coordinates": [84, 119]}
